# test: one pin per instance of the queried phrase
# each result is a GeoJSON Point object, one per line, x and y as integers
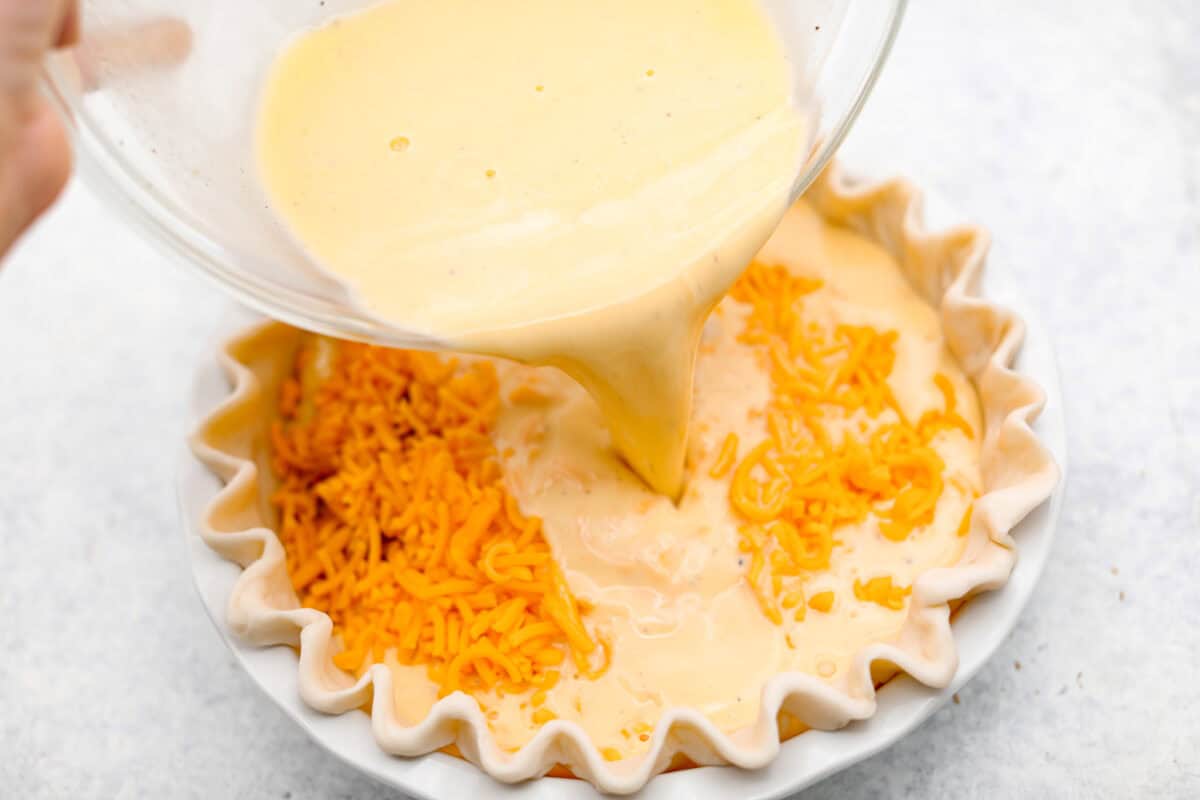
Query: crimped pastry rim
{"type": "Point", "coordinates": [1019, 474]}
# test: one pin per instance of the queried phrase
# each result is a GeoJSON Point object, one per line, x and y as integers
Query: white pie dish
{"type": "Point", "coordinates": [902, 703]}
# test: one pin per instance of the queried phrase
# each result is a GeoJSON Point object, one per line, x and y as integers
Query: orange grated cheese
{"type": "Point", "coordinates": [821, 601]}
{"type": "Point", "coordinates": [396, 523]}
{"type": "Point", "coordinates": [726, 458]}
{"type": "Point", "coordinates": [964, 527]}
{"type": "Point", "coordinates": [803, 482]}
{"type": "Point", "coordinates": [881, 592]}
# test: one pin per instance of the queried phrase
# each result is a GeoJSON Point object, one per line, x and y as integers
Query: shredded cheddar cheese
{"type": "Point", "coordinates": [726, 457]}
{"type": "Point", "coordinates": [821, 601]}
{"type": "Point", "coordinates": [964, 527]}
{"type": "Point", "coordinates": [839, 447]}
{"type": "Point", "coordinates": [881, 592]}
{"type": "Point", "coordinates": [396, 523]}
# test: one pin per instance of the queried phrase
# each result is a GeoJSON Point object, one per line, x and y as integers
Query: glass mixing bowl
{"type": "Point", "coordinates": [161, 98]}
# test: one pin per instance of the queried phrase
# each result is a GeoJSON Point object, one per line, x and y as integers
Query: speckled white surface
{"type": "Point", "coordinates": [1072, 129]}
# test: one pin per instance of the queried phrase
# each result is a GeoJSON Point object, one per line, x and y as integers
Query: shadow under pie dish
{"type": "Point", "coordinates": [845, 591]}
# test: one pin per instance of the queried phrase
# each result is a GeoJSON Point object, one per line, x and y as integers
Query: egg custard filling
{"type": "Point", "coordinates": [549, 181]}
{"type": "Point", "coordinates": [467, 521]}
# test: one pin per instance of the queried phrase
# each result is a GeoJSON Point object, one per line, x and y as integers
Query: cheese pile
{"type": "Point", "coordinates": [396, 523]}
{"type": "Point", "coordinates": [801, 483]}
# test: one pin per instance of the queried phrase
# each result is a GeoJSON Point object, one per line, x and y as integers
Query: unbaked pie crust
{"type": "Point", "coordinates": [945, 268]}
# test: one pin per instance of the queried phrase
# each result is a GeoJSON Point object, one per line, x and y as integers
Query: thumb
{"type": "Point", "coordinates": [35, 158]}
{"type": "Point", "coordinates": [28, 30]}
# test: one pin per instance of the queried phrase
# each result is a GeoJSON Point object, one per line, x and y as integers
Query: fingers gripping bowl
{"type": "Point", "coordinates": [1016, 474]}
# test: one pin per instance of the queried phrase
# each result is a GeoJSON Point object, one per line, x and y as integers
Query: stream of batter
{"type": "Point", "coordinates": [668, 586]}
{"type": "Point", "coordinates": [559, 182]}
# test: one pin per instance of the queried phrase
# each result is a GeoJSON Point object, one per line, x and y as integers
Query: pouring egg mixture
{"type": "Point", "coordinates": [559, 182]}
{"type": "Point", "coordinates": [540, 530]}
{"type": "Point", "coordinates": [466, 520]}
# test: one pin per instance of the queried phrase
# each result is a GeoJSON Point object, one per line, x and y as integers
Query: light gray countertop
{"type": "Point", "coordinates": [1071, 129]}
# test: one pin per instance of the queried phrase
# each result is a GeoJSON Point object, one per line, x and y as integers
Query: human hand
{"type": "Point", "coordinates": [35, 153]}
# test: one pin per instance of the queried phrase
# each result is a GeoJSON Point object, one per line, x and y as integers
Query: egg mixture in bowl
{"type": "Point", "coordinates": [454, 542]}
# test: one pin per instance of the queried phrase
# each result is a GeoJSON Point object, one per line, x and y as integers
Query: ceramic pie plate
{"type": "Point", "coordinates": [979, 628]}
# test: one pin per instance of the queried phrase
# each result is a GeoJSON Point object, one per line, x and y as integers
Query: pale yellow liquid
{"type": "Point", "coordinates": [663, 580]}
{"type": "Point", "coordinates": [563, 182]}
